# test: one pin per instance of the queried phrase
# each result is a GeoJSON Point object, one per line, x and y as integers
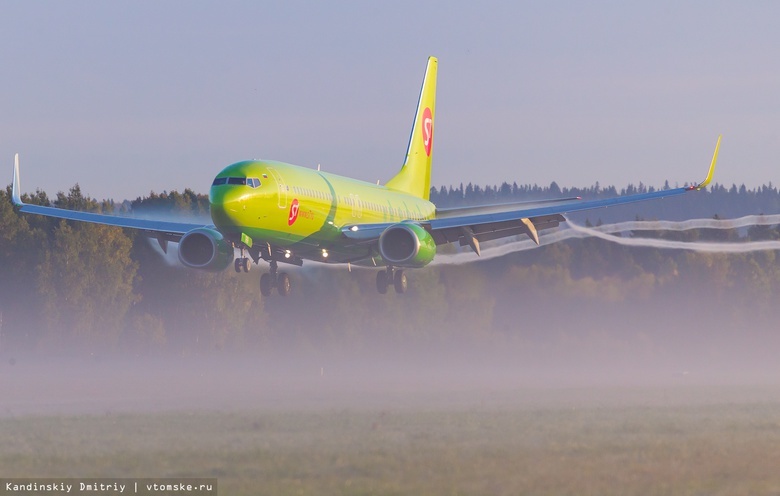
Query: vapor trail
{"type": "Point", "coordinates": [605, 232]}
{"type": "Point", "coordinates": [701, 246]}
{"type": "Point", "coordinates": [667, 225]}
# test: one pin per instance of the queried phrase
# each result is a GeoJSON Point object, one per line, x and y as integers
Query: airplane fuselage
{"type": "Point", "coordinates": [303, 209]}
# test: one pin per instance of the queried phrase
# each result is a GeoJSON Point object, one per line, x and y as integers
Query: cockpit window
{"type": "Point", "coordinates": [240, 181]}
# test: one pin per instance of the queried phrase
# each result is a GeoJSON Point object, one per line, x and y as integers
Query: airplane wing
{"type": "Point", "coordinates": [471, 225]}
{"type": "Point", "coordinates": [162, 230]}
{"type": "Point", "coordinates": [442, 213]}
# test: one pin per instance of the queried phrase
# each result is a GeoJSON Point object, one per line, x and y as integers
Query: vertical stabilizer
{"type": "Point", "coordinates": [415, 175]}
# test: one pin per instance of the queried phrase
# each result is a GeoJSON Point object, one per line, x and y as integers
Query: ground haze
{"type": "Point", "coordinates": [453, 422]}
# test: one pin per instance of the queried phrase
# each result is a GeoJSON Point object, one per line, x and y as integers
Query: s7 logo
{"type": "Point", "coordinates": [293, 212]}
{"type": "Point", "coordinates": [427, 130]}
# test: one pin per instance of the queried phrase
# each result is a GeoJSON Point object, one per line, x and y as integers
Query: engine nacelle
{"type": "Point", "coordinates": [407, 245]}
{"type": "Point", "coordinates": [205, 249]}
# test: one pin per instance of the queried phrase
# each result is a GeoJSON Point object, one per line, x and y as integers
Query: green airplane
{"type": "Point", "coordinates": [282, 213]}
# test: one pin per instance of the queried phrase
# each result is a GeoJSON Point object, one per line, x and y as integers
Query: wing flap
{"type": "Point", "coordinates": [496, 230]}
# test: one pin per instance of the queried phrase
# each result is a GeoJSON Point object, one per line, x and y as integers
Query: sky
{"type": "Point", "coordinates": [125, 98]}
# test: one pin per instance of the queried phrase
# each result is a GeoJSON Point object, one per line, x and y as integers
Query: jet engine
{"type": "Point", "coordinates": [407, 245]}
{"type": "Point", "coordinates": [205, 249]}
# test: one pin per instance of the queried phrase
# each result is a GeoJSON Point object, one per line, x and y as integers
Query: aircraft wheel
{"type": "Point", "coordinates": [237, 264]}
{"type": "Point", "coordinates": [381, 281]}
{"type": "Point", "coordinates": [400, 282]}
{"type": "Point", "coordinates": [266, 284]}
{"type": "Point", "coordinates": [283, 284]}
{"type": "Point", "coordinates": [246, 264]}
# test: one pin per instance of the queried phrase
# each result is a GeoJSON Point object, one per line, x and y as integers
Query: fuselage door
{"type": "Point", "coordinates": [281, 186]}
{"type": "Point", "coordinates": [357, 207]}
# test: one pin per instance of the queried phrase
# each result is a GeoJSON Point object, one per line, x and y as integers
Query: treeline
{"type": "Point", "coordinates": [78, 286]}
{"type": "Point", "coordinates": [727, 202]}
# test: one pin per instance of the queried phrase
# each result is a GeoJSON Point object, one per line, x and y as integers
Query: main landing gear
{"type": "Point", "coordinates": [397, 278]}
{"type": "Point", "coordinates": [274, 279]}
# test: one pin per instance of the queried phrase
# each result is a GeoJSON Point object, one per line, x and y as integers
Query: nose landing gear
{"type": "Point", "coordinates": [257, 251]}
{"type": "Point", "coordinates": [242, 263]}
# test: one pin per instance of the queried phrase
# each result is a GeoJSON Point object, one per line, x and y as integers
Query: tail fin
{"type": "Point", "coordinates": [415, 175]}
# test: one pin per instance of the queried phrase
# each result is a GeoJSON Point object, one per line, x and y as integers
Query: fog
{"type": "Point", "coordinates": [491, 346]}
{"type": "Point", "coordinates": [597, 356]}
{"type": "Point", "coordinates": [521, 371]}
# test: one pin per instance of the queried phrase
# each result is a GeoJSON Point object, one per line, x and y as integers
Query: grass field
{"type": "Point", "coordinates": [693, 440]}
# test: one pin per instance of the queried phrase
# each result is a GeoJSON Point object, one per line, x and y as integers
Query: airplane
{"type": "Point", "coordinates": [283, 213]}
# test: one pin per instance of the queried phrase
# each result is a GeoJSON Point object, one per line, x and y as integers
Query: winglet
{"type": "Point", "coordinates": [16, 195]}
{"type": "Point", "coordinates": [711, 172]}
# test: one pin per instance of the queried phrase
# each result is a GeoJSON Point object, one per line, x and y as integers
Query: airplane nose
{"type": "Point", "coordinates": [225, 204]}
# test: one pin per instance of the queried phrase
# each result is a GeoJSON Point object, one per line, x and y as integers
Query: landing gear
{"type": "Point", "coordinates": [397, 278]}
{"type": "Point", "coordinates": [242, 264]}
{"type": "Point", "coordinates": [283, 284]}
{"type": "Point", "coordinates": [400, 282]}
{"type": "Point", "coordinates": [274, 279]}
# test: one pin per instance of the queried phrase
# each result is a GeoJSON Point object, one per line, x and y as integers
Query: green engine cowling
{"type": "Point", "coordinates": [407, 245]}
{"type": "Point", "coordinates": [205, 249]}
